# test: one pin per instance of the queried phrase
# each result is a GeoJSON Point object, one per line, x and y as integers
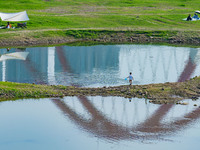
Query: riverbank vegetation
{"type": "Point", "coordinates": [36, 38]}
{"type": "Point", "coordinates": [156, 93]}
{"type": "Point", "coordinates": [66, 21]}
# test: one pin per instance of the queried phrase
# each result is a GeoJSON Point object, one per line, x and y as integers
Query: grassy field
{"type": "Point", "coordinates": [108, 14]}
{"type": "Point", "coordinates": [62, 19]}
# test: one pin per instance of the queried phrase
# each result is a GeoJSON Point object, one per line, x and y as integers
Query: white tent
{"type": "Point", "coordinates": [197, 11]}
{"type": "Point", "coordinates": [20, 16]}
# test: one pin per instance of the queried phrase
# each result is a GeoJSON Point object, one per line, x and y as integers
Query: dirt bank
{"type": "Point", "coordinates": [157, 93]}
{"type": "Point", "coordinates": [37, 38]}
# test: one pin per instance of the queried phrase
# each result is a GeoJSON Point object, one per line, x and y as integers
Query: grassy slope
{"type": "Point", "coordinates": [132, 14]}
{"type": "Point", "coordinates": [50, 19]}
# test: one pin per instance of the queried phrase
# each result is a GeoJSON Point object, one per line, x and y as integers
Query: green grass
{"type": "Point", "coordinates": [20, 90]}
{"type": "Point", "coordinates": [134, 14]}
{"type": "Point", "coordinates": [83, 18]}
{"type": "Point", "coordinates": [167, 92]}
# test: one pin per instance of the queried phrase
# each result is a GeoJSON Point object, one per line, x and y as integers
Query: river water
{"type": "Point", "coordinates": [96, 122]}
{"type": "Point", "coordinates": [95, 66]}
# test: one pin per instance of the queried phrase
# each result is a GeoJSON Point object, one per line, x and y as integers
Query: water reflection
{"type": "Point", "coordinates": [114, 123]}
{"type": "Point", "coordinates": [82, 65]}
{"type": "Point", "coordinates": [97, 123]}
{"type": "Point", "coordinates": [14, 55]}
{"type": "Point", "coordinates": [102, 65]}
{"type": "Point", "coordinates": [6, 55]}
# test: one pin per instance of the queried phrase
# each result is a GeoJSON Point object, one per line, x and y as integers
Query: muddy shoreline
{"type": "Point", "coordinates": [106, 40]}
{"type": "Point", "coordinates": [164, 93]}
{"type": "Point", "coordinates": [118, 37]}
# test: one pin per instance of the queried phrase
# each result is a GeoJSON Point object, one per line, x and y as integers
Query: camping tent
{"type": "Point", "coordinates": [20, 16]}
{"type": "Point", "coordinates": [198, 12]}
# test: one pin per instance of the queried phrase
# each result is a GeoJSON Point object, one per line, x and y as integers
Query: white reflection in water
{"type": "Point", "coordinates": [102, 65]}
{"type": "Point", "coordinates": [51, 65]}
{"type": "Point", "coordinates": [158, 64]}
{"type": "Point", "coordinates": [4, 71]}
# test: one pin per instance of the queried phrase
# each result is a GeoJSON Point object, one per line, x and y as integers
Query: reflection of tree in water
{"type": "Point", "coordinates": [101, 126]}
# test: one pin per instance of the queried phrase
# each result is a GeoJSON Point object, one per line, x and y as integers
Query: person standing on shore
{"type": "Point", "coordinates": [130, 78]}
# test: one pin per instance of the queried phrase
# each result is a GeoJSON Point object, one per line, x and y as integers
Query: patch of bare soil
{"type": "Point", "coordinates": [58, 10]}
{"type": "Point", "coordinates": [88, 9]}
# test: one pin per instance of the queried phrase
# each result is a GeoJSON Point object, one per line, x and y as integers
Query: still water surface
{"type": "Point", "coordinates": [98, 122]}
{"type": "Point", "coordinates": [95, 123]}
{"type": "Point", "coordinates": [100, 65]}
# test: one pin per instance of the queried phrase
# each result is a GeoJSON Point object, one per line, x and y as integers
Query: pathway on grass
{"type": "Point", "coordinates": [107, 29]}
